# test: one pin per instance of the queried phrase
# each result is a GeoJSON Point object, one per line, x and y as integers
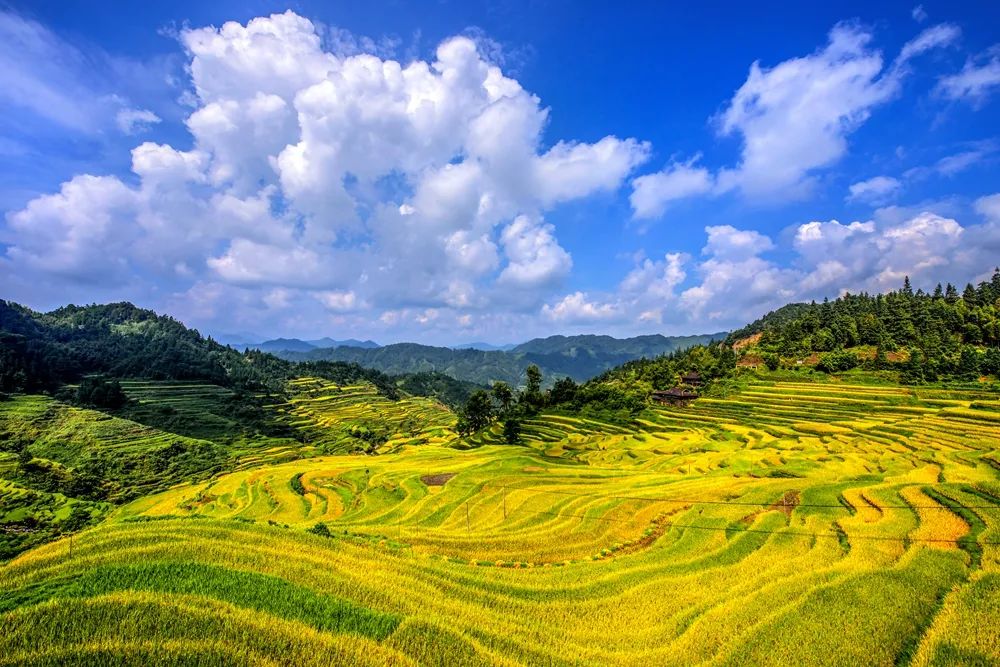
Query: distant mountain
{"type": "Point", "coordinates": [636, 347]}
{"type": "Point", "coordinates": [349, 342]}
{"type": "Point", "coordinates": [578, 357]}
{"type": "Point", "coordinates": [298, 345]}
{"type": "Point", "coordinates": [485, 347]}
{"type": "Point", "coordinates": [283, 345]}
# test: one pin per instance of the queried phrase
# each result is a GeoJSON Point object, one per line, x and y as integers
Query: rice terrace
{"type": "Point", "coordinates": [499, 334]}
{"type": "Point", "coordinates": [722, 532]}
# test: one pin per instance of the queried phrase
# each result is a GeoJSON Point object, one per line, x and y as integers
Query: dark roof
{"type": "Point", "coordinates": [691, 375]}
{"type": "Point", "coordinates": [676, 392]}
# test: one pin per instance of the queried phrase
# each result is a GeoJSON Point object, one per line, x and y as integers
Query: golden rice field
{"type": "Point", "coordinates": [786, 524]}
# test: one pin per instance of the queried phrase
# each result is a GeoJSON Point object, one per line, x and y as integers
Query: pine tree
{"type": "Point", "coordinates": [969, 296]}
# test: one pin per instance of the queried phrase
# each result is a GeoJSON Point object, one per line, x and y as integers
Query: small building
{"type": "Point", "coordinates": [751, 361]}
{"type": "Point", "coordinates": [692, 378]}
{"type": "Point", "coordinates": [675, 396]}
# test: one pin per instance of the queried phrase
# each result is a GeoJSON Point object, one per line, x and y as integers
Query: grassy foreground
{"type": "Point", "coordinates": [787, 523]}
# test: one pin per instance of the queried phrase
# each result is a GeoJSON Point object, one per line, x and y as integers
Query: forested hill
{"type": "Point", "coordinates": [42, 351]}
{"type": "Point", "coordinates": [577, 357]}
{"type": "Point", "coordinates": [936, 324]}
{"type": "Point", "coordinates": [652, 345]}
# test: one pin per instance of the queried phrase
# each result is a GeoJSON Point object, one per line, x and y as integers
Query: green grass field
{"type": "Point", "coordinates": [789, 522]}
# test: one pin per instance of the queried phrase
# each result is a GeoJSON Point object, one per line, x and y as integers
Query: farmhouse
{"type": "Point", "coordinates": [692, 378]}
{"type": "Point", "coordinates": [750, 361]}
{"type": "Point", "coordinates": [675, 396]}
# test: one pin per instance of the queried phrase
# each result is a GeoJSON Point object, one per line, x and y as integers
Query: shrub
{"type": "Point", "coordinates": [320, 529]}
{"type": "Point", "coordinates": [839, 361]}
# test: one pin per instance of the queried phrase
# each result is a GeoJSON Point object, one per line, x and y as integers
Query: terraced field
{"type": "Point", "coordinates": [786, 523]}
{"type": "Point", "coordinates": [340, 418]}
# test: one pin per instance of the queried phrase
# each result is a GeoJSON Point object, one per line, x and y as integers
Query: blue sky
{"type": "Point", "coordinates": [446, 172]}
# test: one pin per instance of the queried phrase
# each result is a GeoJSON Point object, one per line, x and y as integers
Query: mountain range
{"type": "Point", "coordinates": [578, 357]}
{"type": "Point", "coordinates": [299, 345]}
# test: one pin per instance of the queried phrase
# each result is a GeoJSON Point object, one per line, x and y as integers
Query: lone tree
{"type": "Point", "coordinates": [477, 414]}
{"type": "Point", "coordinates": [532, 397]}
{"type": "Point", "coordinates": [503, 395]}
{"type": "Point", "coordinates": [512, 431]}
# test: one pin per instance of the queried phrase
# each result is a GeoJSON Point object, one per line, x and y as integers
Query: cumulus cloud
{"type": "Point", "coordinates": [322, 170]}
{"type": "Point", "coordinates": [535, 257]}
{"type": "Point", "coordinates": [576, 308]}
{"type": "Point", "coordinates": [653, 192]}
{"type": "Point", "coordinates": [876, 190]}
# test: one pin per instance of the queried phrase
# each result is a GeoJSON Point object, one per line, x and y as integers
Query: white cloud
{"type": "Point", "coordinates": [795, 117]}
{"type": "Point", "coordinates": [727, 242]}
{"type": "Point", "coordinates": [656, 279]}
{"type": "Point", "coordinates": [78, 233]}
{"type": "Point", "coordinates": [973, 153]}
{"type": "Point", "coordinates": [134, 121]}
{"type": "Point", "coordinates": [534, 256]}
{"type": "Point", "coordinates": [320, 170]}
{"type": "Point", "coordinates": [568, 171]}
{"type": "Point", "coordinates": [989, 207]}
{"type": "Point", "coordinates": [343, 301]}
{"type": "Point", "coordinates": [876, 190]}
{"type": "Point", "coordinates": [935, 37]}
{"type": "Point", "coordinates": [577, 309]}
{"type": "Point", "coordinates": [953, 164]}
{"type": "Point", "coordinates": [793, 120]}
{"type": "Point", "coordinates": [977, 80]}
{"type": "Point", "coordinates": [919, 14]}
{"type": "Point", "coordinates": [653, 192]}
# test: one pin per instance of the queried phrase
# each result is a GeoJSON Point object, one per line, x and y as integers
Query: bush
{"type": "Point", "coordinates": [101, 393]}
{"type": "Point", "coordinates": [320, 529]}
{"type": "Point", "coordinates": [839, 361]}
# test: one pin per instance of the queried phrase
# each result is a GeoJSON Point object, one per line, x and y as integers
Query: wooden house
{"type": "Point", "coordinates": [692, 378]}
{"type": "Point", "coordinates": [675, 396]}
